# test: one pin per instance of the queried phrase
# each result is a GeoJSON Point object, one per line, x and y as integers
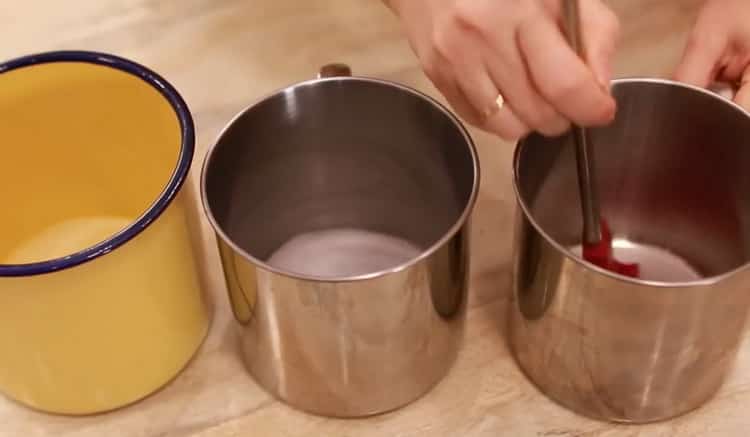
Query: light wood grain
{"type": "Point", "coordinates": [224, 54]}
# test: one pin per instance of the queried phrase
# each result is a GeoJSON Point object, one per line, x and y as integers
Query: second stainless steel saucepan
{"type": "Point", "coordinates": [672, 176]}
{"type": "Point", "coordinates": [342, 207]}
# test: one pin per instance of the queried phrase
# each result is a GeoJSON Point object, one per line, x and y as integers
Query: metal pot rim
{"type": "Point", "coordinates": [460, 222]}
{"type": "Point", "coordinates": [173, 186]}
{"type": "Point", "coordinates": [707, 281]}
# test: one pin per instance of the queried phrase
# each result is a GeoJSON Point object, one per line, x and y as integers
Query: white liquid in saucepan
{"type": "Point", "coordinates": [656, 264]}
{"type": "Point", "coordinates": [342, 252]}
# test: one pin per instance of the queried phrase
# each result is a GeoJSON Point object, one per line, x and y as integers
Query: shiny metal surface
{"type": "Point", "coordinates": [588, 193]}
{"type": "Point", "coordinates": [672, 173]}
{"type": "Point", "coordinates": [592, 233]}
{"type": "Point", "coordinates": [308, 167]}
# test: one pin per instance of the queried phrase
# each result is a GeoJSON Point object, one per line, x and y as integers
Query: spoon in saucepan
{"type": "Point", "coordinates": [596, 238]}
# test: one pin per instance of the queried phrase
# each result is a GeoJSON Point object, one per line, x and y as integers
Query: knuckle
{"type": "Point", "coordinates": [477, 16]}
{"type": "Point", "coordinates": [433, 68]}
{"type": "Point", "coordinates": [694, 40]}
{"type": "Point", "coordinates": [448, 34]}
{"type": "Point", "coordinates": [443, 40]}
{"type": "Point", "coordinates": [557, 128]}
{"type": "Point", "coordinates": [584, 100]}
{"type": "Point", "coordinates": [440, 84]}
{"type": "Point", "coordinates": [515, 134]}
{"type": "Point", "coordinates": [506, 131]}
{"type": "Point", "coordinates": [466, 13]}
{"type": "Point", "coordinates": [610, 22]}
{"type": "Point", "coordinates": [698, 41]}
{"type": "Point", "coordinates": [542, 116]}
{"type": "Point", "coordinates": [549, 122]}
{"type": "Point", "coordinates": [565, 89]}
{"type": "Point", "coordinates": [464, 111]}
{"type": "Point", "coordinates": [470, 119]}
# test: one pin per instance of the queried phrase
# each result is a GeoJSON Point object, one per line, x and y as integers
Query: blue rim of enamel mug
{"type": "Point", "coordinates": [176, 180]}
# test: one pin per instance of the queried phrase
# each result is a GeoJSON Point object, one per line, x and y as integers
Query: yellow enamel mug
{"type": "Point", "coordinates": [100, 302]}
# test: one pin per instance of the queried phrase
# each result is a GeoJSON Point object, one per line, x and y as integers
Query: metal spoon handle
{"type": "Point", "coordinates": [587, 187]}
{"type": "Point", "coordinates": [584, 152]}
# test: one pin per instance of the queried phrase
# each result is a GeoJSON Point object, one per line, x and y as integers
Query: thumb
{"type": "Point", "coordinates": [601, 30]}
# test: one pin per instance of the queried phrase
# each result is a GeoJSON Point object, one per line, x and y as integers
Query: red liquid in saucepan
{"type": "Point", "coordinates": [602, 256]}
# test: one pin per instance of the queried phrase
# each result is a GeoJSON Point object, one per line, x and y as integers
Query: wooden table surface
{"type": "Point", "coordinates": [223, 54]}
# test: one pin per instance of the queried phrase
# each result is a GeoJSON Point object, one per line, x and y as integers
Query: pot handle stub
{"type": "Point", "coordinates": [336, 69]}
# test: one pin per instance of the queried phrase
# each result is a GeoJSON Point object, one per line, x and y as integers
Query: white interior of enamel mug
{"type": "Point", "coordinates": [672, 177]}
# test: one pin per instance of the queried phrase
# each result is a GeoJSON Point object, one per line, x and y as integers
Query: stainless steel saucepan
{"type": "Point", "coordinates": [673, 180]}
{"type": "Point", "coordinates": [342, 207]}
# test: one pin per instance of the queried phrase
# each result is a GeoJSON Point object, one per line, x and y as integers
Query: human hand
{"type": "Point", "coordinates": [718, 49]}
{"type": "Point", "coordinates": [475, 50]}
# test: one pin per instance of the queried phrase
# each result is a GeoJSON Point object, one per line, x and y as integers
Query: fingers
{"type": "Point", "coordinates": [702, 56]}
{"type": "Point", "coordinates": [475, 51]}
{"type": "Point", "coordinates": [717, 50]}
{"type": "Point", "coordinates": [561, 76]}
{"type": "Point", "coordinates": [459, 51]}
{"type": "Point", "coordinates": [455, 97]}
{"type": "Point", "coordinates": [509, 73]}
{"type": "Point", "coordinates": [479, 92]}
{"type": "Point", "coordinates": [700, 61]}
{"type": "Point", "coordinates": [501, 120]}
{"type": "Point", "coordinates": [506, 124]}
{"type": "Point", "coordinates": [457, 70]}
{"type": "Point", "coordinates": [487, 62]}
{"type": "Point", "coordinates": [731, 67]}
{"type": "Point", "coordinates": [601, 32]}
